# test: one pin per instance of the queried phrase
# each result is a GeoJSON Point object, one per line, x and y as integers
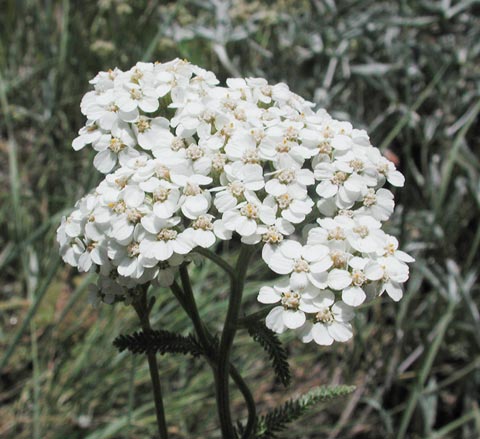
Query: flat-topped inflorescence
{"type": "Point", "coordinates": [189, 163]}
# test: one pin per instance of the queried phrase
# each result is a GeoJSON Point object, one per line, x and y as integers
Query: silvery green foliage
{"type": "Point", "coordinates": [189, 163]}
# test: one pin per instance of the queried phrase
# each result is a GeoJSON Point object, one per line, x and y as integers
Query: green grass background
{"type": "Point", "coordinates": [407, 71]}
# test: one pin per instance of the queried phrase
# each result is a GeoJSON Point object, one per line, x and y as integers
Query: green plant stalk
{"type": "Point", "coordinates": [193, 313]}
{"type": "Point", "coordinates": [187, 300]}
{"type": "Point", "coordinates": [226, 342]}
{"type": "Point", "coordinates": [143, 311]}
{"type": "Point", "coordinates": [217, 260]}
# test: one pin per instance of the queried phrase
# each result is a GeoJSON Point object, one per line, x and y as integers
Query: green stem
{"type": "Point", "coordinates": [187, 300]}
{"type": "Point", "coordinates": [217, 260]}
{"type": "Point", "coordinates": [143, 311]}
{"type": "Point", "coordinates": [226, 342]}
{"type": "Point", "coordinates": [193, 310]}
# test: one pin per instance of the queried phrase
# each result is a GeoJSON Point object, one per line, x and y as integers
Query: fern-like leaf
{"type": "Point", "coordinates": [158, 342]}
{"type": "Point", "coordinates": [272, 345]}
{"type": "Point", "coordinates": [277, 420]}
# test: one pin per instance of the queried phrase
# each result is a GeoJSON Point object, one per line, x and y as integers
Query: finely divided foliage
{"type": "Point", "coordinates": [188, 163]}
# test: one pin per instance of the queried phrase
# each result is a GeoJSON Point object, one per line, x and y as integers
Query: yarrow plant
{"type": "Point", "coordinates": [189, 163]}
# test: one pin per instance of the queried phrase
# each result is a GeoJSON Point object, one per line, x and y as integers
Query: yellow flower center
{"type": "Point", "coordinates": [143, 125]}
{"type": "Point", "coordinates": [370, 198]}
{"type": "Point", "coordinates": [284, 201]}
{"type": "Point", "coordinates": [290, 300]}
{"type": "Point", "coordinates": [362, 231]}
{"type": "Point", "coordinates": [336, 234]}
{"type": "Point", "coordinates": [236, 188]}
{"type": "Point", "coordinates": [251, 156]}
{"type": "Point", "coordinates": [161, 194]}
{"type": "Point", "coordinates": [250, 211]}
{"type": "Point", "coordinates": [194, 152]}
{"type": "Point", "coordinates": [166, 235]}
{"type": "Point", "coordinates": [286, 176]}
{"type": "Point", "coordinates": [324, 316]}
{"type": "Point", "coordinates": [339, 177]}
{"type": "Point", "coordinates": [358, 278]}
{"type": "Point", "coordinates": [301, 266]}
{"type": "Point", "coordinates": [338, 258]}
{"type": "Point", "coordinates": [116, 145]}
{"type": "Point", "coordinates": [133, 249]}
{"type": "Point", "coordinates": [191, 190]}
{"type": "Point", "coordinates": [203, 223]}
{"type": "Point", "coordinates": [135, 94]}
{"type": "Point", "coordinates": [272, 236]}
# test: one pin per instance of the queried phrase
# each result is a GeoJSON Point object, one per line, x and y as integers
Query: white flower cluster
{"type": "Point", "coordinates": [188, 163]}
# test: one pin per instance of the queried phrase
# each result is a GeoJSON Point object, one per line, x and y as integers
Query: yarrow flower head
{"type": "Point", "coordinates": [189, 163]}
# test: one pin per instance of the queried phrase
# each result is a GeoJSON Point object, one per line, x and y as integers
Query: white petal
{"type": "Point", "coordinates": [319, 280]}
{"type": "Point", "coordinates": [298, 281]}
{"type": "Point", "coordinates": [267, 215]}
{"type": "Point", "coordinates": [164, 210]}
{"type": "Point", "coordinates": [339, 279]}
{"type": "Point", "coordinates": [291, 249]}
{"type": "Point", "coordinates": [127, 266]}
{"type": "Point", "coordinates": [274, 188]}
{"type": "Point", "coordinates": [340, 331]}
{"type": "Point", "coordinates": [104, 161]}
{"type": "Point", "coordinates": [204, 238]}
{"type": "Point", "coordinates": [306, 332]}
{"type": "Point", "coordinates": [373, 271]}
{"type": "Point", "coordinates": [326, 189]}
{"type": "Point", "coordinates": [394, 290]}
{"type": "Point", "coordinates": [341, 142]}
{"type": "Point", "coordinates": [220, 230]}
{"type": "Point", "coordinates": [353, 296]}
{"type": "Point", "coordinates": [274, 320]}
{"type": "Point", "coordinates": [148, 104]}
{"type": "Point", "coordinates": [230, 219]}
{"type": "Point", "coordinates": [268, 251]}
{"type": "Point", "coordinates": [133, 196]}
{"type": "Point", "coordinates": [151, 224]}
{"type": "Point", "coordinates": [322, 265]}
{"type": "Point", "coordinates": [343, 312]}
{"type": "Point", "coordinates": [280, 264]}
{"type": "Point", "coordinates": [183, 244]}
{"type": "Point", "coordinates": [268, 295]}
{"type": "Point", "coordinates": [324, 299]}
{"type": "Point", "coordinates": [395, 178]}
{"type": "Point", "coordinates": [293, 319]}
{"type": "Point", "coordinates": [320, 335]}
{"type": "Point", "coordinates": [245, 226]}
{"type": "Point", "coordinates": [405, 257]}
{"type": "Point", "coordinates": [314, 252]}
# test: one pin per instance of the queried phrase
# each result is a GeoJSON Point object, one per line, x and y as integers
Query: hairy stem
{"type": "Point", "coordinates": [143, 311]}
{"type": "Point", "coordinates": [226, 342]}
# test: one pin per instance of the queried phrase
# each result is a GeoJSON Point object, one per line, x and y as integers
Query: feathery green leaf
{"type": "Point", "coordinates": [273, 346]}
{"type": "Point", "coordinates": [278, 419]}
{"type": "Point", "coordinates": [159, 342]}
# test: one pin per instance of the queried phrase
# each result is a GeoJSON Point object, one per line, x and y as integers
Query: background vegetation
{"type": "Point", "coordinates": [407, 71]}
